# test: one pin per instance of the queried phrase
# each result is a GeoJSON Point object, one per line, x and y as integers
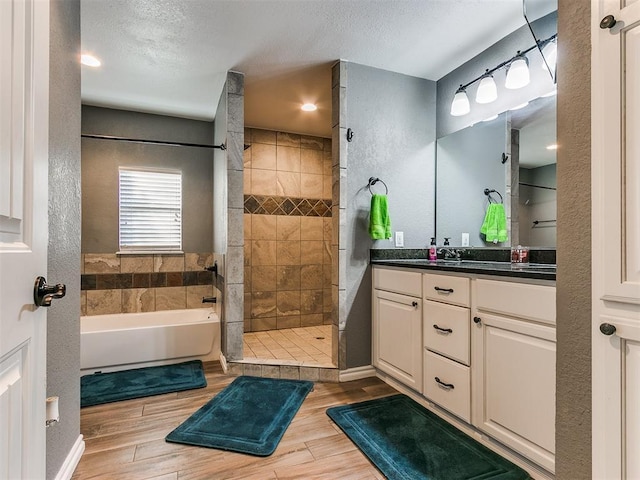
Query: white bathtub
{"type": "Point", "coordinates": [132, 340]}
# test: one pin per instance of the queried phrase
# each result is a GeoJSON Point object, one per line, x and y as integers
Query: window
{"type": "Point", "coordinates": [150, 210]}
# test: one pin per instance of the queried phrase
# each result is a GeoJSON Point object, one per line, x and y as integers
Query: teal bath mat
{"type": "Point", "coordinates": [406, 441]}
{"type": "Point", "coordinates": [101, 388]}
{"type": "Point", "coordinates": [249, 416]}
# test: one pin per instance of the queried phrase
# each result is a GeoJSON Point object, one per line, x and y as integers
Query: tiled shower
{"type": "Point", "coordinates": [287, 227]}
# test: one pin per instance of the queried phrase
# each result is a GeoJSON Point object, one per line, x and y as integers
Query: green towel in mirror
{"type": "Point", "coordinates": [379, 221]}
{"type": "Point", "coordinates": [494, 226]}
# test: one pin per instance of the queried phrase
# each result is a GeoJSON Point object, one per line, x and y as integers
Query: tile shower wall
{"type": "Point", "coordinates": [287, 227]}
{"type": "Point", "coordinates": [144, 283]}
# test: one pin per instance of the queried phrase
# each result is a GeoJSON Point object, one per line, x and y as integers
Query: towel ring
{"type": "Point", "coordinates": [488, 193]}
{"type": "Point", "coordinates": [373, 181]}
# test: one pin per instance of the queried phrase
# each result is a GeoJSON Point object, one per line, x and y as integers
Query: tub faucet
{"type": "Point", "coordinates": [209, 299]}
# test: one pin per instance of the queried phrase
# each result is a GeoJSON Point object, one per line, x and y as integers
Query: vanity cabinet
{"type": "Point", "coordinates": [397, 325]}
{"type": "Point", "coordinates": [445, 321]}
{"type": "Point", "coordinates": [514, 359]}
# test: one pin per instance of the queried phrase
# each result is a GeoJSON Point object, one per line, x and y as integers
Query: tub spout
{"type": "Point", "coordinates": [209, 299]}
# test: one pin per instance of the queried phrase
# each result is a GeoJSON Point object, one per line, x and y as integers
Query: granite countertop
{"type": "Point", "coordinates": [474, 262]}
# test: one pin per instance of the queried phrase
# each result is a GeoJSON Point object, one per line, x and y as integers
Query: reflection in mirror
{"type": "Point", "coordinates": [470, 160]}
{"type": "Point", "coordinates": [534, 130]}
{"type": "Point", "coordinates": [532, 9]}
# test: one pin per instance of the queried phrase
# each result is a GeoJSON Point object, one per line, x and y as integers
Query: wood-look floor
{"type": "Point", "coordinates": [125, 440]}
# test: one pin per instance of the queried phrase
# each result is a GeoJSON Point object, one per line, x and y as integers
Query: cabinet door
{"type": "Point", "coordinates": [397, 337]}
{"type": "Point", "coordinates": [616, 417]}
{"type": "Point", "coordinates": [514, 402]}
{"type": "Point", "coordinates": [616, 151]}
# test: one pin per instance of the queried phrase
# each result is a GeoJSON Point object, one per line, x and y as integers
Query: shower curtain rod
{"type": "Point", "coordinates": [222, 146]}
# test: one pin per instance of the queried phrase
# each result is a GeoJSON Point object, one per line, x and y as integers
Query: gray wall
{"type": "Point", "coordinates": [469, 161]}
{"type": "Point", "coordinates": [573, 362]}
{"type": "Point", "coordinates": [503, 50]}
{"type": "Point", "coordinates": [63, 317]}
{"type": "Point", "coordinates": [393, 117]}
{"type": "Point", "coordinates": [101, 159]}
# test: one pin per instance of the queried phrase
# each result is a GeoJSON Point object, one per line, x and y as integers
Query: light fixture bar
{"type": "Point", "coordinates": [540, 44]}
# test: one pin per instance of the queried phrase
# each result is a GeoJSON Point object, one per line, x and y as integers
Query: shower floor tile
{"type": "Point", "coordinates": [305, 346]}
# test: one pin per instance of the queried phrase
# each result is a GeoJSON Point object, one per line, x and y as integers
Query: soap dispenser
{"type": "Point", "coordinates": [433, 254]}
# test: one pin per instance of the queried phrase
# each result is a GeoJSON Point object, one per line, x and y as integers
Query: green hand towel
{"type": "Point", "coordinates": [494, 226]}
{"type": "Point", "coordinates": [379, 221]}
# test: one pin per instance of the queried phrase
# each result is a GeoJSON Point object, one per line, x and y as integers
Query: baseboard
{"type": "Point", "coordinates": [357, 373]}
{"type": "Point", "coordinates": [223, 363]}
{"type": "Point", "coordinates": [71, 462]}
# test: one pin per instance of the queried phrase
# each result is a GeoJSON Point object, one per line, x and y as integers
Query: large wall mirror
{"type": "Point", "coordinates": [513, 154]}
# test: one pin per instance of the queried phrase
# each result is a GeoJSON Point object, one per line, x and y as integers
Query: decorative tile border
{"type": "Point", "coordinates": [272, 205]}
{"type": "Point", "coordinates": [119, 281]}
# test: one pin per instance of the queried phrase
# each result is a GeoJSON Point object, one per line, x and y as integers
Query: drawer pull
{"type": "Point", "coordinates": [440, 329]}
{"type": "Point", "coordinates": [446, 290]}
{"type": "Point", "coordinates": [445, 385]}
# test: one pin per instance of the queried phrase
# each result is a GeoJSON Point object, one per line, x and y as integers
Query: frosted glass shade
{"type": "Point", "coordinates": [550, 53]}
{"type": "Point", "coordinates": [518, 74]}
{"type": "Point", "coordinates": [487, 91]}
{"type": "Point", "coordinates": [460, 105]}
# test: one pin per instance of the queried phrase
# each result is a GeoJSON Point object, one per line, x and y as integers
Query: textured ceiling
{"type": "Point", "coordinates": [171, 57]}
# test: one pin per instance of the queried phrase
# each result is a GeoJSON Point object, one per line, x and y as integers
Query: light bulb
{"type": "Point", "coordinates": [487, 91]}
{"type": "Point", "coordinates": [89, 60]}
{"type": "Point", "coordinates": [518, 73]}
{"type": "Point", "coordinates": [309, 107]}
{"type": "Point", "coordinates": [460, 105]}
{"type": "Point", "coordinates": [550, 54]}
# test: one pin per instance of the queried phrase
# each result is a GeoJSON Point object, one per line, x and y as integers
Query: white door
{"type": "Point", "coordinates": [24, 99]}
{"type": "Point", "coordinates": [616, 238]}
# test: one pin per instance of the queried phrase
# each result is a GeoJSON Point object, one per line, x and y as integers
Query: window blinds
{"type": "Point", "coordinates": [150, 210]}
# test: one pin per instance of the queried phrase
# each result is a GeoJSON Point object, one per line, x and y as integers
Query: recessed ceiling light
{"type": "Point", "coordinates": [553, 146]}
{"type": "Point", "coordinates": [522, 105]}
{"type": "Point", "coordinates": [309, 107]}
{"type": "Point", "coordinates": [89, 60]}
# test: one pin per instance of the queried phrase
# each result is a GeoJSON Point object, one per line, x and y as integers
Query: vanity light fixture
{"type": "Point", "coordinates": [551, 93]}
{"type": "Point", "coordinates": [550, 54]}
{"type": "Point", "coordinates": [309, 107]}
{"type": "Point", "coordinates": [518, 73]}
{"type": "Point", "coordinates": [89, 60]}
{"type": "Point", "coordinates": [517, 77]}
{"type": "Point", "coordinates": [493, 117]}
{"type": "Point", "coordinates": [553, 146]}
{"type": "Point", "coordinates": [460, 105]}
{"type": "Point", "coordinates": [487, 91]}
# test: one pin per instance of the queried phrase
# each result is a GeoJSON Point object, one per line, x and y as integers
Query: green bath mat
{"type": "Point", "coordinates": [406, 441]}
{"type": "Point", "coordinates": [249, 416]}
{"type": "Point", "coordinates": [101, 388]}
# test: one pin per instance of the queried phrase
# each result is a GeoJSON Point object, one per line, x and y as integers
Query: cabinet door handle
{"type": "Point", "coordinates": [447, 290]}
{"type": "Point", "coordinates": [607, 328]}
{"type": "Point", "coordinates": [440, 329]}
{"type": "Point", "coordinates": [415, 304]}
{"type": "Point", "coordinates": [445, 385]}
{"type": "Point", "coordinates": [477, 320]}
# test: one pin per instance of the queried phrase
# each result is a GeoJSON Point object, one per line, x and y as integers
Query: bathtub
{"type": "Point", "coordinates": [132, 340]}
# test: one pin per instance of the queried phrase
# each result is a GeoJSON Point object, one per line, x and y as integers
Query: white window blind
{"type": "Point", "coordinates": [150, 210]}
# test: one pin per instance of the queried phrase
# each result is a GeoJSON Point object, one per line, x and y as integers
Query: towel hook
{"type": "Point", "coordinates": [373, 181]}
{"type": "Point", "coordinates": [488, 193]}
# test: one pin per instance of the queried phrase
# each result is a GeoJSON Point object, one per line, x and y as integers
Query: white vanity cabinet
{"type": "Point", "coordinates": [445, 323]}
{"type": "Point", "coordinates": [397, 325]}
{"type": "Point", "coordinates": [514, 359]}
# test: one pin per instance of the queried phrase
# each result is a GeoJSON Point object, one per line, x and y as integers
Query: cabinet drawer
{"type": "Point", "coordinates": [457, 397]}
{"type": "Point", "coordinates": [399, 281]}
{"type": "Point", "coordinates": [446, 330]}
{"type": "Point", "coordinates": [534, 302]}
{"type": "Point", "coordinates": [445, 288]}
